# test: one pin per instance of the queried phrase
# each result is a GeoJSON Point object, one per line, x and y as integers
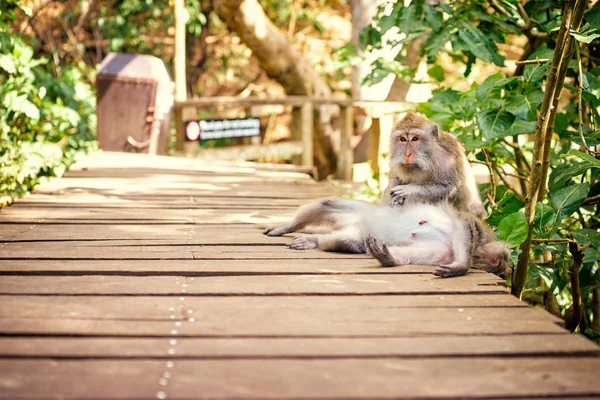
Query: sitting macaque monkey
{"type": "Point", "coordinates": [428, 165]}
{"type": "Point", "coordinates": [413, 234]}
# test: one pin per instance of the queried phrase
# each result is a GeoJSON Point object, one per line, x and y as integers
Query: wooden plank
{"type": "Point", "coordinates": [491, 377]}
{"type": "Point", "coordinates": [132, 234]}
{"type": "Point", "coordinates": [91, 200]}
{"type": "Point", "coordinates": [161, 308]}
{"type": "Point", "coordinates": [283, 324]}
{"type": "Point", "coordinates": [87, 251]}
{"type": "Point", "coordinates": [7, 232]}
{"type": "Point", "coordinates": [116, 216]}
{"type": "Point", "coordinates": [227, 348]}
{"type": "Point", "coordinates": [165, 306]}
{"type": "Point", "coordinates": [126, 162]}
{"type": "Point", "coordinates": [250, 285]}
{"type": "Point", "coordinates": [190, 184]}
{"type": "Point", "coordinates": [206, 267]}
{"type": "Point", "coordinates": [201, 172]}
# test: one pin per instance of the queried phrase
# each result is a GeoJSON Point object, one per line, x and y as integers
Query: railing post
{"type": "Point", "coordinates": [346, 155]}
{"type": "Point", "coordinates": [374, 144]}
{"type": "Point", "coordinates": [307, 112]}
{"type": "Point", "coordinates": [179, 134]}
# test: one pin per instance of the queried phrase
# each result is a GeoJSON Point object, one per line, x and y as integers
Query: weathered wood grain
{"type": "Point", "coordinates": [300, 348]}
{"type": "Point", "coordinates": [323, 266]}
{"type": "Point", "coordinates": [252, 285]}
{"type": "Point", "coordinates": [293, 379]}
{"type": "Point", "coordinates": [158, 308]}
{"type": "Point", "coordinates": [244, 324]}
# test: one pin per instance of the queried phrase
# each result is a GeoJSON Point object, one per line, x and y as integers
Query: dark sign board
{"type": "Point", "coordinates": [208, 129]}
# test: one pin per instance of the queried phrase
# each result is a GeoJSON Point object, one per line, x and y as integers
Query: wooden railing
{"type": "Point", "coordinates": [302, 122]}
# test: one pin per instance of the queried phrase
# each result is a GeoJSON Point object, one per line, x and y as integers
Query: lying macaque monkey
{"type": "Point", "coordinates": [414, 234]}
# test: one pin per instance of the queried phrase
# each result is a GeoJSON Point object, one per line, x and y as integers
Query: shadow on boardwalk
{"type": "Point", "coordinates": [146, 277]}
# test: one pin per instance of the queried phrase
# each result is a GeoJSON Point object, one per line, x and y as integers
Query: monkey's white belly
{"type": "Point", "coordinates": [428, 228]}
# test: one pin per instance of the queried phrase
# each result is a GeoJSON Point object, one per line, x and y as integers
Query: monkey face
{"type": "Point", "coordinates": [408, 143]}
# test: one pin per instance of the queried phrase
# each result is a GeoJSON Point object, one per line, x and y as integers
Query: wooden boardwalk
{"type": "Point", "coordinates": [138, 277]}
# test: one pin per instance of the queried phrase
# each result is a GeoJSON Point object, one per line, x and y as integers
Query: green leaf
{"type": "Point", "coordinates": [389, 21]}
{"type": "Point", "coordinates": [569, 199]}
{"type": "Point", "coordinates": [7, 64]}
{"type": "Point", "coordinates": [436, 72]}
{"type": "Point", "coordinates": [521, 127]}
{"type": "Point", "coordinates": [508, 204]}
{"type": "Point", "coordinates": [586, 34]}
{"type": "Point", "coordinates": [592, 16]}
{"type": "Point", "coordinates": [478, 44]}
{"type": "Point", "coordinates": [433, 18]}
{"type": "Point", "coordinates": [544, 215]}
{"type": "Point", "coordinates": [584, 236]}
{"type": "Point", "coordinates": [513, 229]}
{"type": "Point", "coordinates": [494, 123]}
{"type": "Point", "coordinates": [435, 43]}
{"type": "Point", "coordinates": [486, 88]}
{"type": "Point", "coordinates": [594, 162]}
{"type": "Point", "coordinates": [409, 21]}
{"type": "Point", "coordinates": [534, 72]}
{"type": "Point", "coordinates": [523, 106]}
{"type": "Point", "coordinates": [369, 36]}
{"type": "Point", "coordinates": [23, 105]}
{"type": "Point", "coordinates": [563, 173]}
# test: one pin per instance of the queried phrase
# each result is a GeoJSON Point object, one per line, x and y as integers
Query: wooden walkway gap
{"type": "Point", "coordinates": [147, 277]}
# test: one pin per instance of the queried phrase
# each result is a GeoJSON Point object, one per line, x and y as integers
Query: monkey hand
{"type": "Point", "coordinates": [449, 270]}
{"type": "Point", "coordinates": [304, 243]}
{"type": "Point", "coordinates": [277, 230]}
{"type": "Point", "coordinates": [379, 251]}
{"type": "Point", "coordinates": [399, 194]}
{"type": "Point", "coordinates": [397, 201]}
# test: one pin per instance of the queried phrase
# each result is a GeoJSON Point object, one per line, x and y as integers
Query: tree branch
{"type": "Point", "coordinates": [492, 196]}
{"type": "Point", "coordinates": [579, 95]}
{"type": "Point", "coordinates": [575, 312]}
{"type": "Point", "coordinates": [572, 15]}
{"type": "Point", "coordinates": [538, 61]}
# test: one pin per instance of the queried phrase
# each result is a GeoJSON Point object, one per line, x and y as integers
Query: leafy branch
{"type": "Point", "coordinates": [572, 17]}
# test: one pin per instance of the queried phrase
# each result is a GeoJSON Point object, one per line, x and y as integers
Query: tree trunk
{"type": "Point", "coordinates": [571, 18]}
{"type": "Point", "coordinates": [363, 12]}
{"type": "Point", "coordinates": [282, 63]}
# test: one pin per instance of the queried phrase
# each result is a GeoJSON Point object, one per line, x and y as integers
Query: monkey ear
{"type": "Point", "coordinates": [435, 130]}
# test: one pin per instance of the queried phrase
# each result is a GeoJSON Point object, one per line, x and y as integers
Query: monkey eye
{"type": "Point", "coordinates": [402, 139]}
{"type": "Point", "coordinates": [414, 139]}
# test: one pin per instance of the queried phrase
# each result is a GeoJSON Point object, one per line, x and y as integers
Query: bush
{"type": "Point", "coordinates": [47, 115]}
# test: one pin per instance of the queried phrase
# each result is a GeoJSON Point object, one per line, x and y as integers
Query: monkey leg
{"type": "Point", "coordinates": [462, 247]}
{"type": "Point", "coordinates": [329, 210]}
{"type": "Point", "coordinates": [348, 241]}
{"type": "Point", "coordinates": [425, 253]}
{"type": "Point", "coordinates": [305, 242]}
{"type": "Point", "coordinates": [450, 270]}
{"type": "Point", "coordinates": [379, 251]}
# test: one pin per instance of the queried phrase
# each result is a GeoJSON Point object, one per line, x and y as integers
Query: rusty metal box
{"type": "Point", "coordinates": [135, 97]}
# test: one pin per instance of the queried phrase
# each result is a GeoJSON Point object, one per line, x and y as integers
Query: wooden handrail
{"type": "Point", "coordinates": [304, 106]}
{"type": "Point", "coordinates": [295, 101]}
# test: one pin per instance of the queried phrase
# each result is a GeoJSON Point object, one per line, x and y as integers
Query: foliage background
{"type": "Point", "coordinates": [47, 112]}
